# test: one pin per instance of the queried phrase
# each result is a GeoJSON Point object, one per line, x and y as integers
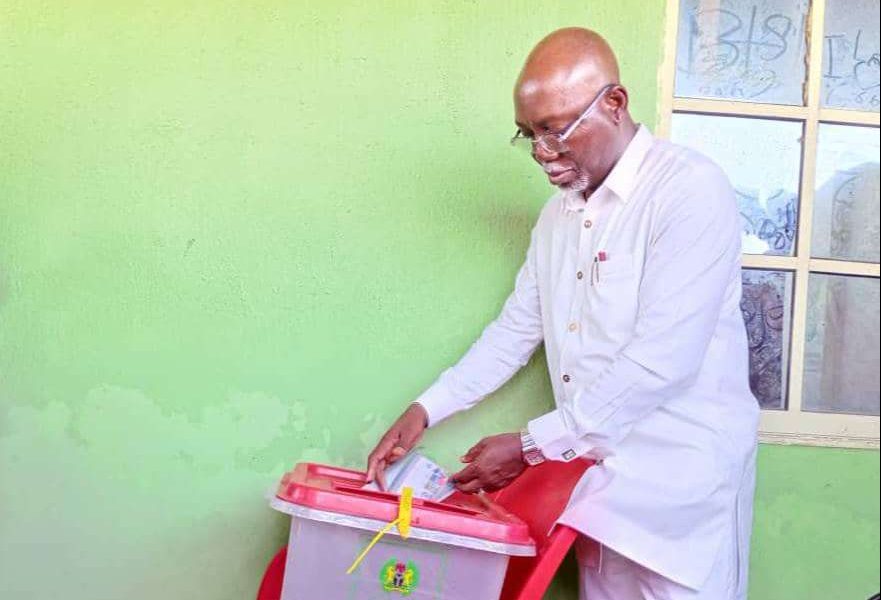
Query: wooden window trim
{"type": "Point", "coordinates": [793, 425]}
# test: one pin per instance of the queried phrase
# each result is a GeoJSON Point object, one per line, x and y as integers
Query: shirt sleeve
{"type": "Point", "coordinates": [502, 349]}
{"type": "Point", "coordinates": [691, 265]}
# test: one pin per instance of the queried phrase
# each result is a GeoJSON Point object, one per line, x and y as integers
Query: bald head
{"type": "Point", "coordinates": [570, 62]}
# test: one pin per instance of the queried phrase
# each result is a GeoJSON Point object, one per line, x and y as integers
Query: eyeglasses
{"type": "Point", "coordinates": [555, 143]}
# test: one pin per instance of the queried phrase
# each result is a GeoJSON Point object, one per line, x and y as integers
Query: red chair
{"type": "Point", "coordinates": [270, 586]}
{"type": "Point", "coordinates": [537, 497]}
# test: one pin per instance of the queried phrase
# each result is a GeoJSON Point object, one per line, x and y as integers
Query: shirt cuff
{"type": "Point", "coordinates": [554, 439]}
{"type": "Point", "coordinates": [438, 402]}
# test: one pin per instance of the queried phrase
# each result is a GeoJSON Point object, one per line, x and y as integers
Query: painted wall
{"type": "Point", "coordinates": [238, 235]}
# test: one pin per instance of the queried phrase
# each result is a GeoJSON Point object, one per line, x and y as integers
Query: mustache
{"type": "Point", "coordinates": [580, 184]}
{"type": "Point", "coordinates": [554, 169]}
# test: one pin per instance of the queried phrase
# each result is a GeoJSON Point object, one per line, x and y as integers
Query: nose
{"type": "Point", "coordinates": [541, 154]}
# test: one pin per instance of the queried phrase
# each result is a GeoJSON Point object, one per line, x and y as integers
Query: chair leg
{"type": "Point", "coordinates": [550, 561]}
{"type": "Point", "coordinates": [270, 586]}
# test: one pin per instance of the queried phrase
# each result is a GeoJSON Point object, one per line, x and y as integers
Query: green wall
{"type": "Point", "coordinates": [238, 235]}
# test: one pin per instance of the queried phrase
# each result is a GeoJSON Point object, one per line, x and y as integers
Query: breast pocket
{"type": "Point", "coordinates": [615, 267]}
{"type": "Point", "coordinates": [613, 296]}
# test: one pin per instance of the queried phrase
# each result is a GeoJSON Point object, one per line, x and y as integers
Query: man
{"type": "Point", "coordinates": [632, 280]}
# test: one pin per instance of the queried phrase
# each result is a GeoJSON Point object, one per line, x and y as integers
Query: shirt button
{"type": "Point", "coordinates": [588, 224]}
{"type": "Point", "coordinates": [579, 275]}
{"type": "Point", "coordinates": [573, 326]}
{"type": "Point", "coordinates": [566, 378]}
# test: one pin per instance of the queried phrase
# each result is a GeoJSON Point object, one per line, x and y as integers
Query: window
{"type": "Point", "coordinates": [784, 95]}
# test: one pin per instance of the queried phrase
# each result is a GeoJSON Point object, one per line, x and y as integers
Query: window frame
{"type": "Point", "coordinates": [792, 425]}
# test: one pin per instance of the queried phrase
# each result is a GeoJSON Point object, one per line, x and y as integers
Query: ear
{"type": "Point", "coordinates": [617, 102]}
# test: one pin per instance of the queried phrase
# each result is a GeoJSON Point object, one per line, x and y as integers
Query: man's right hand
{"type": "Point", "coordinates": [397, 441]}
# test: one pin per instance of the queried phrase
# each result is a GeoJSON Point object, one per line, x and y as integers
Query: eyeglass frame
{"type": "Point", "coordinates": [567, 132]}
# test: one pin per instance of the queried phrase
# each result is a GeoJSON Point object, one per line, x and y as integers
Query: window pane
{"type": "Point", "coordinates": [841, 351]}
{"type": "Point", "coordinates": [742, 50]}
{"type": "Point", "coordinates": [766, 307]}
{"type": "Point", "coordinates": [850, 54]}
{"type": "Point", "coordinates": [846, 215]}
{"type": "Point", "coordinates": [765, 175]}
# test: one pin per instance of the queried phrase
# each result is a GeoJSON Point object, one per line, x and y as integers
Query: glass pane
{"type": "Point", "coordinates": [841, 351]}
{"type": "Point", "coordinates": [742, 50]}
{"type": "Point", "coordinates": [850, 54]}
{"type": "Point", "coordinates": [846, 216]}
{"type": "Point", "coordinates": [766, 307]}
{"type": "Point", "coordinates": [765, 176]}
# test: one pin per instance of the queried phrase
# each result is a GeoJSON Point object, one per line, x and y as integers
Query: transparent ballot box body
{"type": "Point", "coordinates": [456, 550]}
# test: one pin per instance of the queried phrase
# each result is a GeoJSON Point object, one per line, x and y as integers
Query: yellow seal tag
{"type": "Point", "coordinates": [405, 512]}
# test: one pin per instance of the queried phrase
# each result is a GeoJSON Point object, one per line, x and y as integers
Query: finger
{"type": "Point", "coordinates": [470, 487]}
{"type": "Point", "coordinates": [474, 452]}
{"type": "Point", "coordinates": [396, 453]}
{"type": "Point", "coordinates": [372, 462]}
{"type": "Point", "coordinates": [466, 474]}
{"type": "Point", "coordinates": [380, 474]}
{"type": "Point", "coordinates": [379, 453]}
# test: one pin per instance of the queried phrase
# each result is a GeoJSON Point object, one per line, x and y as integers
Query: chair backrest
{"type": "Point", "coordinates": [541, 493]}
{"type": "Point", "coordinates": [538, 497]}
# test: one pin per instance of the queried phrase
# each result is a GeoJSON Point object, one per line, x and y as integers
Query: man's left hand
{"type": "Point", "coordinates": [493, 463]}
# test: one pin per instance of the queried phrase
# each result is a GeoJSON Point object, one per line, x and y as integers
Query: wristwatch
{"type": "Point", "coordinates": [531, 453]}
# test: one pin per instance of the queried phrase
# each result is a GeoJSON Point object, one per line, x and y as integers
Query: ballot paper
{"type": "Point", "coordinates": [428, 480]}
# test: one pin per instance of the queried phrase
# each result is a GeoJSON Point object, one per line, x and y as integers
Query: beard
{"type": "Point", "coordinates": [579, 184]}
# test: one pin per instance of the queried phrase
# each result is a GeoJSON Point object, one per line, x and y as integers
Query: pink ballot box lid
{"type": "Point", "coordinates": [335, 490]}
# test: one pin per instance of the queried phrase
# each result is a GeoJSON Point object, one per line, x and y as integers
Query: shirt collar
{"type": "Point", "coordinates": [622, 178]}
